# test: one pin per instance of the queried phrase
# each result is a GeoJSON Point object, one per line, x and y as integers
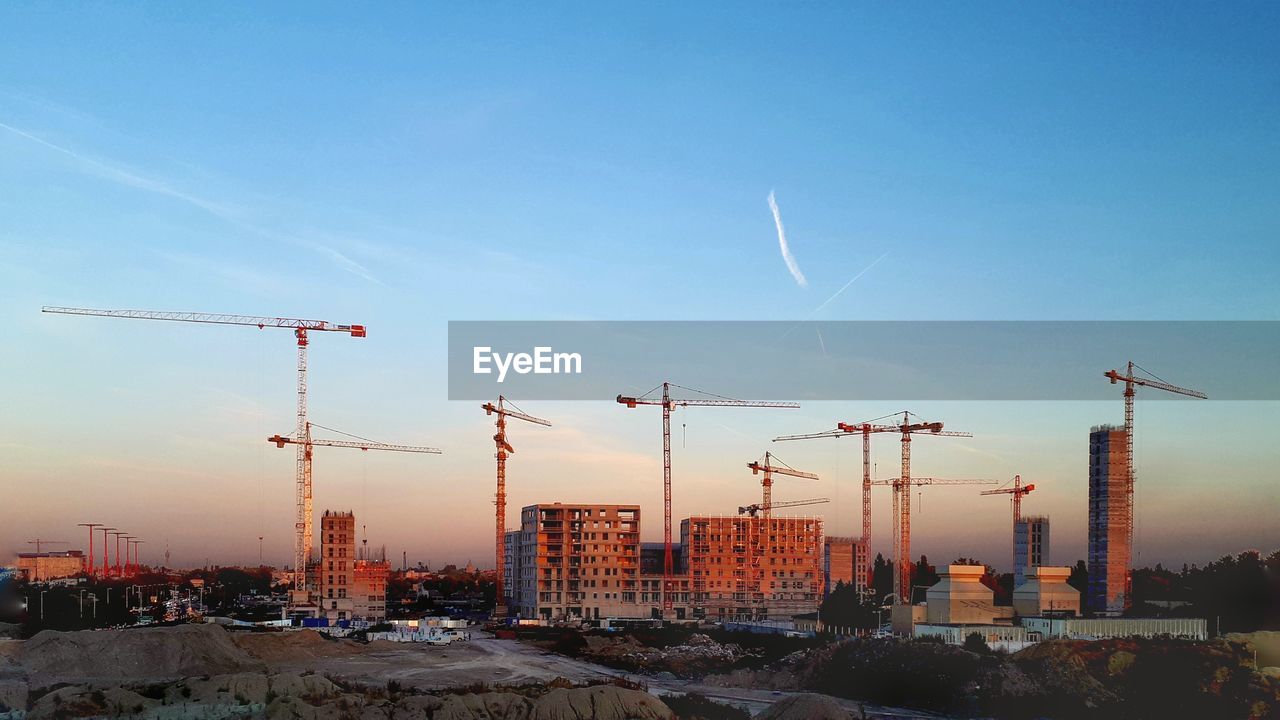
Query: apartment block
{"type": "Point", "coordinates": [743, 567]}
{"type": "Point", "coordinates": [1110, 517]}
{"type": "Point", "coordinates": [579, 560]}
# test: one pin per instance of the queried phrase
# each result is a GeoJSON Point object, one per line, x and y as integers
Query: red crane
{"type": "Point", "coordinates": [769, 470]}
{"type": "Point", "coordinates": [669, 404]}
{"type": "Point", "coordinates": [305, 448]}
{"type": "Point", "coordinates": [901, 510]}
{"type": "Point", "coordinates": [1017, 491]}
{"type": "Point", "coordinates": [1131, 383]}
{"type": "Point", "coordinates": [863, 579]}
{"type": "Point", "coordinates": [500, 497]}
{"type": "Point", "coordinates": [301, 328]}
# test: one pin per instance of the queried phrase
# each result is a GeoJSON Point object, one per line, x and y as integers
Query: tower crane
{"type": "Point", "coordinates": [753, 509]}
{"type": "Point", "coordinates": [901, 511]}
{"type": "Point", "coordinates": [1017, 491]}
{"type": "Point", "coordinates": [1131, 383]}
{"type": "Point", "coordinates": [769, 470]}
{"type": "Point", "coordinates": [866, 429]}
{"type": "Point", "coordinates": [41, 542]}
{"type": "Point", "coordinates": [301, 328]}
{"type": "Point", "coordinates": [305, 445]}
{"type": "Point", "coordinates": [669, 404]}
{"type": "Point", "coordinates": [500, 497]}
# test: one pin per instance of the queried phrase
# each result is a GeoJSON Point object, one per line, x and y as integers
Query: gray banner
{"type": "Point", "coordinates": [859, 360]}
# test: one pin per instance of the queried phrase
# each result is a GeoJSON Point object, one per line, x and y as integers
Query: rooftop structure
{"type": "Point", "coordinates": [961, 598]}
{"type": "Point", "coordinates": [1045, 592]}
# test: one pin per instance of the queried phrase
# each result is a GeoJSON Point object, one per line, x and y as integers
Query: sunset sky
{"type": "Point", "coordinates": [403, 167]}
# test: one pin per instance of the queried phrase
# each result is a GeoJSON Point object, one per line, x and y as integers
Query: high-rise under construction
{"type": "Point", "coordinates": [1110, 517]}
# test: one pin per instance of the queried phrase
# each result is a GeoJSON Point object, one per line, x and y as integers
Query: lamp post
{"type": "Point", "coordinates": [106, 567]}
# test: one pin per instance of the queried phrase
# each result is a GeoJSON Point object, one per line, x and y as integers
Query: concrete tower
{"type": "Point", "coordinates": [1110, 515]}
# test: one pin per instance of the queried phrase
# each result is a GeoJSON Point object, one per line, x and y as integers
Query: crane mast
{"type": "Point", "coordinates": [1017, 491]}
{"type": "Point", "coordinates": [1131, 383]}
{"type": "Point", "coordinates": [300, 327]}
{"type": "Point", "coordinates": [503, 448]}
{"type": "Point", "coordinates": [862, 579]}
{"type": "Point", "coordinates": [668, 405]}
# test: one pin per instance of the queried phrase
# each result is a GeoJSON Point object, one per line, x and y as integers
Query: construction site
{"type": "Point", "coordinates": [583, 560]}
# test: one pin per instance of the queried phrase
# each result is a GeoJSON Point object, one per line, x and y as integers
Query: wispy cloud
{"type": "Point", "coordinates": [123, 175]}
{"type": "Point", "coordinates": [787, 257]}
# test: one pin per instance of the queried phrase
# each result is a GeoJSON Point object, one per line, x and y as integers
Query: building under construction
{"type": "Point", "coordinates": [350, 586]}
{"type": "Point", "coordinates": [585, 561]}
{"type": "Point", "coordinates": [844, 561]}
{"type": "Point", "coordinates": [1110, 517]}
{"type": "Point", "coordinates": [754, 568]}
{"type": "Point", "coordinates": [1030, 546]}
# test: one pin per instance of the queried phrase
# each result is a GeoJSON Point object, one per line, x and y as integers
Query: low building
{"type": "Point", "coordinates": [1044, 628]}
{"type": "Point", "coordinates": [1046, 592]}
{"type": "Point", "coordinates": [370, 590]}
{"type": "Point", "coordinates": [45, 566]}
{"type": "Point", "coordinates": [961, 598]}
{"type": "Point", "coordinates": [1004, 637]}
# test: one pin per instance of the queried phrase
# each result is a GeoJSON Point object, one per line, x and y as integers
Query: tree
{"type": "Point", "coordinates": [1079, 578]}
{"type": "Point", "coordinates": [881, 577]}
{"type": "Point", "coordinates": [845, 608]}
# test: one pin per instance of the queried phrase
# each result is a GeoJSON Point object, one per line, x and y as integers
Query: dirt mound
{"type": "Point", "coordinates": [294, 646]}
{"type": "Point", "coordinates": [94, 656]}
{"type": "Point", "coordinates": [699, 654]}
{"type": "Point", "coordinates": [806, 707]}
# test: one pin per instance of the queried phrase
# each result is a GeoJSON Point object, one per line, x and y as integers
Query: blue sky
{"type": "Point", "coordinates": [408, 165]}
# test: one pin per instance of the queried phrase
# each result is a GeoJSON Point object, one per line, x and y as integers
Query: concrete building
{"type": "Point", "coordinates": [44, 566]}
{"type": "Point", "coordinates": [754, 568]}
{"type": "Point", "coordinates": [1045, 592]}
{"type": "Point", "coordinates": [1030, 546]}
{"type": "Point", "coordinates": [586, 561]}
{"type": "Point", "coordinates": [336, 570]}
{"type": "Point", "coordinates": [839, 562]}
{"type": "Point", "coordinates": [579, 560]}
{"type": "Point", "coordinates": [961, 598]}
{"type": "Point", "coordinates": [1110, 517]}
{"type": "Point", "coordinates": [510, 568]}
{"type": "Point", "coordinates": [370, 589]}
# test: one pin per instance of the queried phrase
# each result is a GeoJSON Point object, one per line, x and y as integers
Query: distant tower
{"type": "Point", "coordinates": [1110, 515]}
{"type": "Point", "coordinates": [1030, 546]}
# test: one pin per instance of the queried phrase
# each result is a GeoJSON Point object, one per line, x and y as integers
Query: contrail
{"type": "Point", "coordinates": [782, 245]}
{"type": "Point", "coordinates": [132, 179]}
{"type": "Point", "coordinates": [851, 281]}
